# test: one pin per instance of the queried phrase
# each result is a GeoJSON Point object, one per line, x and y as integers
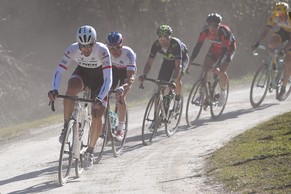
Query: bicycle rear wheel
{"type": "Point", "coordinates": [259, 87]}
{"type": "Point", "coordinates": [65, 159]}
{"type": "Point", "coordinates": [102, 140]}
{"type": "Point", "coordinates": [174, 117]}
{"type": "Point", "coordinates": [216, 109]}
{"type": "Point", "coordinates": [194, 103]}
{"type": "Point", "coordinates": [148, 130]}
{"type": "Point", "coordinates": [117, 146]}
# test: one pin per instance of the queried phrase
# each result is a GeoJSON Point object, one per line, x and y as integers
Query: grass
{"type": "Point", "coordinates": [16, 130]}
{"type": "Point", "coordinates": [257, 161]}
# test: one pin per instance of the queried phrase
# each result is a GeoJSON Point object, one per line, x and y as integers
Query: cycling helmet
{"type": "Point", "coordinates": [86, 35]}
{"type": "Point", "coordinates": [281, 8]}
{"type": "Point", "coordinates": [214, 17]}
{"type": "Point", "coordinates": [164, 30]}
{"type": "Point", "coordinates": [114, 39]}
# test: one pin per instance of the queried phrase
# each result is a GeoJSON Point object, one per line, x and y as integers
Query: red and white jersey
{"type": "Point", "coordinates": [100, 56]}
{"type": "Point", "coordinates": [127, 59]}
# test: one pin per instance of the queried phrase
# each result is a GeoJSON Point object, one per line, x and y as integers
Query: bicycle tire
{"type": "Point", "coordinates": [193, 112]}
{"type": "Point", "coordinates": [66, 157]}
{"type": "Point", "coordinates": [174, 120]}
{"type": "Point", "coordinates": [102, 140]}
{"type": "Point", "coordinates": [117, 146]}
{"type": "Point", "coordinates": [288, 87]}
{"type": "Point", "coordinates": [79, 163]}
{"type": "Point", "coordinates": [149, 116]}
{"type": "Point", "coordinates": [260, 85]}
{"type": "Point", "coordinates": [215, 109]}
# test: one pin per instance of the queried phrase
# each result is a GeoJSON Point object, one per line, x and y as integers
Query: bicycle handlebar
{"type": "Point", "coordinates": [262, 47]}
{"type": "Point", "coordinates": [74, 98]}
{"type": "Point", "coordinates": [158, 82]}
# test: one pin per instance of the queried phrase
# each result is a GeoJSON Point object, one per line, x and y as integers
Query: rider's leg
{"type": "Point", "coordinates": [223, 77]}
{"type": "Point", "coordinates": [75, 85]}
{"type": "Point", "coordinates": [121, 113]}
{"type": "Point", "coordinates": [96, 127]}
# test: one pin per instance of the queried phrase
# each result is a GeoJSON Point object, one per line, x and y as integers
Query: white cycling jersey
{"type": "Point", "coordinates": [127, 59]}
{"type": "Point", "coordinates": [100, 56]}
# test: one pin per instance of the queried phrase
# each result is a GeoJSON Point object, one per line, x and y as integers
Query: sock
{"type": "Point", "coordinates": [177, 97]}
{"type": "Point", "coordinates": [121, 125]}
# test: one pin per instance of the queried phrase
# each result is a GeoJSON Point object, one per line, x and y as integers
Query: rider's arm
{"type": "Point", "coordinates": [148, 65]}
{"type": "Point", "coordinates": [264, 33]}
{"type": "Point", "coordinates": [107, 74]}
{"type": "Point", "coordinates": [131, 70]}
{"type": "Point", "coordinates": [178, 67]}
{"type": "Point", "coordinates": [199, 43]}
{"type": "Point", "coordinates": [63, 66]}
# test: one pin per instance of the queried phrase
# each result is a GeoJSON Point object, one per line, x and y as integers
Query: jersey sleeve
{"type": "Point", "coordinates": [107, 72]}
{"type": "Point", "coordinates": [132, 61]}
{"type": "Point", "coordinates": [154, 49]}
{"type": "Point", "coordinates": [62, 67]}
{"type": "Point", "coordinates": [271, 21]}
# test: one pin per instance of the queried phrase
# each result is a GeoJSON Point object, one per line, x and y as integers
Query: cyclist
{"type": "Point", "coordinates": [124, 69]}
{"type": "Point", "coordinates": [94, 70]}
{"type": "Point", "coordinates": [221, 51]}
{"type": "Point", "coordinates": [281, 18]}
{"type": "Point", "coordinates": [175, 59]}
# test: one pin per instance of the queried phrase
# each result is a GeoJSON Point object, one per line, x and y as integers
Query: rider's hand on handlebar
{"type": "Point", "coordinates": [142, 77]}
{"type": "Point", "coordinates": [97, 103]}
{"type": "Point", "coordinates": [173, 82]}
{"type": "Point", "coordinates": [255, 45]}
{"type": "Point", "coordinates": [120, 91]}
{"type": "Point", "coordinates": [52, 95]}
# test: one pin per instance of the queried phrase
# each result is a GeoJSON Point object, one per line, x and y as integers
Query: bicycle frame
{"type": "Point", "coordinates": [268, 76]}
{"type": "Point", "coordinates": [163, 116]}
{"type": "Point", "coordinates": [205, 93]}
{"type": "Point", "coordinates": [72, 145]}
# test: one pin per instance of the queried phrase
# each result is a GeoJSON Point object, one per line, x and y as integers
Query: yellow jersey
{"type": "Point", "coordinates": [274, 20]}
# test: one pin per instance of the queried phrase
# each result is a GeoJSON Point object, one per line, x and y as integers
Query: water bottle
{"type": "Point", "coordinates": [113, 118]}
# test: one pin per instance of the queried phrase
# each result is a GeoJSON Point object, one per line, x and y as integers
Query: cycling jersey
{"type": "Point", "coordinates": [273, 20]}
{"type": "Point", "coordinates": [97, 65]}
{"type": "Point", "coordinates": [120, 65]}
{"type": "Point", "coordinates": [176, 50]}
{"type": "Point", "coordinates": [223, 42]}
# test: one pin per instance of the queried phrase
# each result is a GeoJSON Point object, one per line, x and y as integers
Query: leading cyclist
{"type": "Point", "coordinates": [123, 69]}
{"type": "Point", "coordinates": [280, 17]}
{"type": "Point", "coordinates": [220, 52]}
{"type": "Point", "coordinates": [175, 59]}
{"type": "Point", "coordinates": [94, 70]}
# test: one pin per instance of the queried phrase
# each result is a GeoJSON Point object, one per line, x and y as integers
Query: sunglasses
{"type": "Point", "coordinates": [113, 47]}
{"type": "Point", "coordinates": [213, 25]}
{"type": "Point", "coordinates": [86, 46]}
{"type": "Point", "coordinates": [279, 14]}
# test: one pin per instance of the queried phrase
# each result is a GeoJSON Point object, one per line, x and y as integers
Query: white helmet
{"type": "Point", "coordinates": [86, 35]}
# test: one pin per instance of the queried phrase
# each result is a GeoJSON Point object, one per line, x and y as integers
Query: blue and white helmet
{"type": "Point", "coordinates": [114, 39]}
{"type": "Point", "coordinates": [86, 35]}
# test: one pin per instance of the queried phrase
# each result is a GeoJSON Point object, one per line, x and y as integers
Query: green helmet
{"type": "Point", "coordinates": [164, 30]}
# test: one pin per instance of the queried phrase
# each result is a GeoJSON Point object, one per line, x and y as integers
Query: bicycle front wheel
{"type": "Point", "coordinates": [66, 157]}
{"type": "Point", "coordinates": [117, 145]}
{"type": "Point", "coordinates": [194, 103]}
{"type": "Point", "coordinates": [148, 126]}
{"type": "Point", "coordinates": [174, 117]}
{"type": "Point", "coordinates": [259, 87]}
{"type": "Point", "coordinates": [102, 140]}
{"type": "Point", "coordinates": [85, 136]}
{"type": "Point", "coordinates": [217, 107]}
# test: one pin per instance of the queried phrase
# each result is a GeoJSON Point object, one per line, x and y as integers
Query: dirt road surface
{"type": "Point", "coordinates": [170, 165]}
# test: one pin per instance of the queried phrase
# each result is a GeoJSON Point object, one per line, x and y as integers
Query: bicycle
{"type": "Point", "coordinates": [205, 93]}
{"type": "Point", "coordinates": [268, 77]}
{"type": "Point", "coordinates": [110, 124]}
{"type": "Point", "coordinates": [161, 111]}
{"type": "Point", "coordinates": [76, 136]}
